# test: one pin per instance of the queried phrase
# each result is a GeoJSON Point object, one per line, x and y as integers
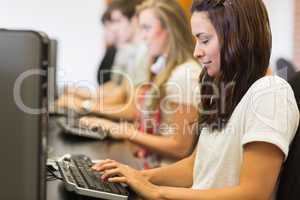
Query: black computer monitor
{"type": "Point", "coordinates": [23, 121]}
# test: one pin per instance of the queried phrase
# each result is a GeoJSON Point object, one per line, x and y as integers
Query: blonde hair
{"type": "Point", "coordinates": [180, 40]}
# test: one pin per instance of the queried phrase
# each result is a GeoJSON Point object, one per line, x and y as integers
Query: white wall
{"type": "Point", "coordinates": [281, 13]}
{"type": "Point", "coordinates": [75, 24]}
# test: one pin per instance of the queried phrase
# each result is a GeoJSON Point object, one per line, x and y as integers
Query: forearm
{"type": "Point", "coordinates": [80, 93]}
{"type": "Point", "coordinates": [163, 145]}
{"type": "Point", "coordinates": [179, 142]}
{"type": "Point", "coordinates": [85, 93]}
{"type": "Point", "coordinates": [234, 193]}
{"type": "Point", "coordinates": [120, 111]}
{"type": "Point", "coordinates": [113, 96]}
{"type": "Point", "coordinates": [179, 174]}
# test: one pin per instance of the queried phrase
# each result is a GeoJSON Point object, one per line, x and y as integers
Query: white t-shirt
{"type": "Point", "coordinates": [131, 63]}
{"type": "Point", "coordinates": [268, 113]}
{"type": "Point", "coordinates": [182, 88]}
{"type": "Point", "coordinates": [183, 84]}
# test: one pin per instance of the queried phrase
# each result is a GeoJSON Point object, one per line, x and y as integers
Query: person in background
{"type": "Point", "coordinates": [166, 106]}
{"type": "Point", "coordinates": [105, 67]}
{"type": "Point", "coordinates": [122, 24]}
{"type": "Point", "coordinates": [247, 119]}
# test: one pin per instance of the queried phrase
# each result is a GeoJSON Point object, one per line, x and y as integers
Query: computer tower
{"type": "Point", "coordinates": [24, 60]}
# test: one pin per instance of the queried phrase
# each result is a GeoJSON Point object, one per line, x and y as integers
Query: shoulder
{"type": "Point", "coordinates": [271, 100]}
{"type": "Point", "coordinates": [271, 113]}
{"type": "Point", "coordinates": [188, 69]}
{"type": "Point", "coordinates": [271, 88]}
{"type": "Point", "coordinates": [269, 84]}
{"type": "Point", "coordinates": [182, 85]}
{"type": "Point", "coordinates": [188, 65]}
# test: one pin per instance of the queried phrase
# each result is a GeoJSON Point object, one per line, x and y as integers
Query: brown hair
{"type": "Point", "coordinates": [126, 7]}
{"type": "Point", "coordinates": [106, 16]}
{"type": "Point", "coordinates": [245, 39]}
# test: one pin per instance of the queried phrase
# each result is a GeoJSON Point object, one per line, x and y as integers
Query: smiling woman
{"type": "Point", "coordinates": [243, 145]}
{"type": "Point", "coordinates": [208, 46]}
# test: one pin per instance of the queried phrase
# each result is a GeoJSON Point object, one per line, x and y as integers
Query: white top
{"type": "Point", "coordinates": [181, 88]}
{"type": "Point", "coordinates": [159, 65]}
{"type": "Point", "coordinates": [183, 84]}
{"type": "Point", "coordinates": [131, 63]}
{"type": "Point", "coordinates": [268, 113]}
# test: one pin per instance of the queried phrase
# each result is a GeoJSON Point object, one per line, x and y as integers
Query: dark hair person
{"type": "Point", "coordinates": [246, 131]}
{"type": "Point", "coordinates": [245, 50]}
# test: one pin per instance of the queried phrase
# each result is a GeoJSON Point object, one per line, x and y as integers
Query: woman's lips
{"type": "Point", "coordinates": [206, 64]}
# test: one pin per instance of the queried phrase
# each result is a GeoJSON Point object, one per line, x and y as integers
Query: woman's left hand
{"type": "Point", "coordinates": [120, 173]}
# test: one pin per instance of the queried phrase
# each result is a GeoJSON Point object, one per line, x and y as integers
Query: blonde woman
{"type": "Point", "coordinates": [166, 105]}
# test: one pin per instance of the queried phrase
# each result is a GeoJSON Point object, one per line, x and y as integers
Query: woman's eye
{"type": "Point", "coordinates": [205, 41]}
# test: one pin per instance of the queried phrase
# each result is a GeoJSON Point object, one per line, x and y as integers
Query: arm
{"type": "Point", "coordinates": [110, 94]}
{"type": "Point", "coordinates": [179, 174]}
{"type": "Point", "coordinates": [258, 177]}
{"type": "Point", "coordinates": [179, 144]}
{"type": "Point", "coordinates": [118, 111]}
{"type": "Point", "coordinates": [259, 173]}
{"type": "Point", "coordinates": [83, 93]}
{"type": "Point", "coordinates": [115, 102]}
{"type": "Point", "coordinates": [78, 92]}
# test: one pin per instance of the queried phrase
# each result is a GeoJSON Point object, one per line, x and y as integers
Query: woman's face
{"type": "Point", "coordinates": [207, 49]}
{"type": "Point", "coordinates": [153, 33]}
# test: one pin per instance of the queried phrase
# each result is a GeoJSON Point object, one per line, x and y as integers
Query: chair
{"type": "Point", "coordinates": [285, 69]}
{"type": "Point", "coordinates": [289, 185]}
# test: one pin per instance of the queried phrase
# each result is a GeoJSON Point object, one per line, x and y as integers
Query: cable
{"type": "Point", "coordinates": [52, 176]}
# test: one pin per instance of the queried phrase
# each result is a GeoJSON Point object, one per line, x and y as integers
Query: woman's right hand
{"type": "Point", "coordinates": [116, 172]}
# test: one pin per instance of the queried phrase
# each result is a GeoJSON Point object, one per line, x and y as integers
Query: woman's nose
{"type": "Point", "coordinates": [198, 52]}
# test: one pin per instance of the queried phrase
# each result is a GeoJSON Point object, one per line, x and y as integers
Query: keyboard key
{"type": "Point", "coordinates": [79, 180]}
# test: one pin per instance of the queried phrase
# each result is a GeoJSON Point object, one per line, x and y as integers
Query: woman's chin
{"type": "Point", "coordinates": [210, 72]}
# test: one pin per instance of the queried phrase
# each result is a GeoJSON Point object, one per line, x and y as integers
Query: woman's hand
{"type": "Point", "coordinates": [120, 173]}
{"type": "Point", "coordinates": [115, 130]}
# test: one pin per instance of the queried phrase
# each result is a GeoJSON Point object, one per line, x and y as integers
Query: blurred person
{"type": "Point", "coordinates": [110, 39]}
{"type": "Point", "coordinates": [164, 108]}
{"type": "Point", "coordinates": [121, 26]}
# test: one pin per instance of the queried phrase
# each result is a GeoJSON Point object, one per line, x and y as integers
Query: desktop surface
{"type": "Point", "coordinates": [60, 144]}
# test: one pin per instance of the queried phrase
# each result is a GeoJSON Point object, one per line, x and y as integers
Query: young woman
{"type": "Point", "coordinates": [248, 119]}
{"type": "Point", "coordinates": [165, 106]}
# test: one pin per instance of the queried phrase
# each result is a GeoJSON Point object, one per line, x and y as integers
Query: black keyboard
{"type": "Point", "coordinates": [80, 178]}
{"type": "Point", "coordinates": [71, 126]}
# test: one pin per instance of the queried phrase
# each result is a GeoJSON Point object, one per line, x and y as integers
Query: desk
{"type": "Point", "coordinates": [60, 143]}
